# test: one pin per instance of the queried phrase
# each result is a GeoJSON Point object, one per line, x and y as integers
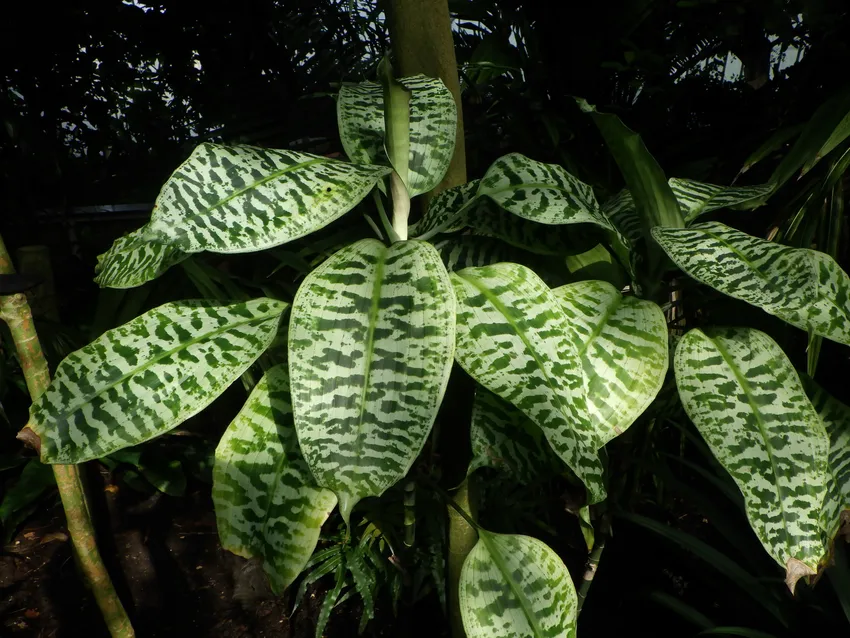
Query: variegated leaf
{"type": "Point", "coordinates": [144, 378]}
{"type": "Point", "coordinates": [133, 260]}
{"type": "Point", "coordinates": [513, 338]}
{"type": "Point", "coordinates": [543, 193]}
{"type": "Point", "coordinates": [742, 393]}
{"type": "Point", "coordinates": [697, 198]}
{"type": "Point", "coordinates": [514, 586]}
{"type": "Point", "coordinates": [468, 251]}
{"type": "Point", "coordinates": [622, 342]}
{"type": "Point", "coordinates": [266, 502]}
{"type": "Point", "coordinates": [836, 419]}
{"type": "Point", "coordinates": [804, 287]}
{"type": "Point", "coordinates": [621, 211]}
{"type": "Point", "coordinates": [446, 210]}
{"type": "Point", "coordinates": [232, 199]}
{"type": "Point", "coordinates": [433, 126]}
{"type": "Point", "coordinates": [505, 439]}
{"type": "Point", "coordinates": [371, 342]}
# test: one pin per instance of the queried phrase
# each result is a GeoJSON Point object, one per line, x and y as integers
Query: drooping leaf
{"type": "Point", "coordinates": [697, 198]}
{"type": "Point", "coordinates": [232, 199]}
{"type": "Point", "coordinates": [133, 260]}
{"type": "Point", "coordinates": [433, 125]}
{"type": "Point", "coordinates": [745, 398]}
{"type": "Point", "coordinates": [506, 439]}
{"type": "Point", "coordinates": [371, 342]}
{"type": "Point", "coordinates": [513, 586]}
{"type": "Point", "coordinates": [836, 419]}
{"type": "Point", "coordinates": [803, 287]}
{"type": "Point", "coordinates": [266, 501]}
{"type": "Point", "coordinates": [513, 338]}
{"type": "Point", "coordinates": [772, 144]}
{"type": "Point", "coordinates": [147, 376]}
{"type": "Point", "coordinates": [622, 344]}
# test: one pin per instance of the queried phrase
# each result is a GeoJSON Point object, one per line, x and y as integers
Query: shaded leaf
{"type": "Point", "coordinates": [133, 260]}
{"type": "Point", "coordinates": [697, 198]}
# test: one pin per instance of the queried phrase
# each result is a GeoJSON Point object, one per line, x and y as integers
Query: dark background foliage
{"type": "Point", "coordinates": [101, 99]}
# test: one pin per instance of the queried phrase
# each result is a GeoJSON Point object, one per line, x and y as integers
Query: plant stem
{"type": "Point", "coordinates": [462, 538]}
{"type": "Point", "coordinates": [593, 561]}
{"type": "Point", "coordinates": [15, 311]}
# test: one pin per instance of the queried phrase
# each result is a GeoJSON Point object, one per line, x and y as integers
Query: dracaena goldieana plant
{"type": "Point", "coordinates": [373, 331]}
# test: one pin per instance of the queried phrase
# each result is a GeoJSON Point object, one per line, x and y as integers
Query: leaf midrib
{"type": "Point", "coordinates": [154, 360]}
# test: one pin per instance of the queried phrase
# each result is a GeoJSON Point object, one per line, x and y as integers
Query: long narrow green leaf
{"type": "Point", "coordinates": [513, 338]}
{"type": "Point", "coordinates": [144, 378]}
{"type": "Point", "coordinates": [622, 344]}
{"type": "Point", "coordinates": [433, 126]}
{"type": "Point", "coordinates": [371, 342]}
{"type": "Point", "coordinates": [232, 199]}
{"type": "Point", "coordinates": [132, 261]}
{"type": "Point", "coordinates": [513, 586]}
{"type": "Point", "coordinates": [742, 393]}
{"type": "Point", "coordinates": [266, 502]}
{"type": "Point", "coordinates": [506, 439]}
{"type": "Point", "coordinates": [644, 178]}
{"type": "Point", "coordinates": [803, 287]}
{"type": "Point", "coordinates": [772, 144]}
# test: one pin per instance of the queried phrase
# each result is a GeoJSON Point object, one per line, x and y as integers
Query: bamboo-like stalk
{"type": "Point", "coordinates": [15, 311]}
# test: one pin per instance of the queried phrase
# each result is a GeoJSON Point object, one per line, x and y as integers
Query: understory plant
{"type": "Point", "coordinates": [491, 276]}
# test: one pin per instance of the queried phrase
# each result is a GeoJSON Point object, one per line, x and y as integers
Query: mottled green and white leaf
{"type": "Point", "coordinates": [467, 251]}
{"type": "Point", "coordinates": [144, 378]}
{"type": "Point", "coordinates": [266, 502]}
{"type": "Point", "coordinates": [621, 211]}
{"type": "Point", "coordinates": [746, 399]}
{"type": "Point", "coordinates": [433, 126]}
{"type": "Point", "coordinates": [515, 586]}
{"type": "Point", "coordinates": [513, 338]}
{"type": "Point", "coordinates": [543, 193]}
{"type": "Point", "coordinates": [803, 287]}
{"type": "Point", "coordinates": [698, 198]}
{"type": "Point", "coordinates": [505, 439]}
{"type": "Point", "coordinates": [836, 419]}
{"type": "Point", "coordinates": [133, 260]}
{"type": "Point", "coordinates": [371, 342]}
{"type": "Point", "coordinates": [232, 199]}
{"type": "Point", "coordinates": [622, 344]}
{"type": "Point", "coordinates": [446, 211]}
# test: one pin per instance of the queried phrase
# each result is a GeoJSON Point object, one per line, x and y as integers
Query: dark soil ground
{"type": "Point", "coordinates": [171, 573]}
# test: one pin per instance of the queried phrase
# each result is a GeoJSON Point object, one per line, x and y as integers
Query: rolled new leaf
{"type": "Point", "coordinates": [622, 343]}
{"type": "Point", "coordinates": [514, 585]}
{"type": "Point", "coordinates": [433, 127]}
{"type": "Point", "coordinates": [233, 199]}
{"type": "Point", "coordinates": [144, 378]}
{"type": "Point", "coordinates": [371, 342]}
{"type": "Point", "coordinates": [513, 338]}
{"type": "Point", "coordinates": [745, 398]}
{"type": "Point", "coordinates": [803, 287]}
{"type": "Point", "coordinates": [266, 501]}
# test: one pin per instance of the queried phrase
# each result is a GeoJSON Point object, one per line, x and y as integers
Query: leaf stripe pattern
{"type": "Point", "coordinates": [147, 376]}
{"type": "Point", "coordinates": [445, 210]}
{"type": "Point", "coordinates": [504, 438]}
{"type": "Point", "coordinates": [132, 261]}
{"type": "Point", "coordinates": [468, 251]}
{"type": "Point", "coordinates": [746, 399]}
{"type": "Point", "coordinates": [512, 338]}
{"type": "Point", "coordinates": [697, 198]}
{"type": "Point", "coordinates": [836, 419]}
{"type": "Point", "coordinates": [266, 502]}
{"type": "Point", "coordinates": [371, 342]}
{"type": "Point", "coordinates": [433, 127]}
{"type": "Point", "coordinates": [803, 287]}
{"type": "Point", "coordinates": [512, 586]}
{"type": "Point", "coordinates": [232, 199]}
{"type": "Point", "coordinates": [622, 342]}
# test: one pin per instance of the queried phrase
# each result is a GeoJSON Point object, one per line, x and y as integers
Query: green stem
{"type": "Point", "coordinates": [593, 562]}
{"type": "Point", "coordinates": [15, 311]}
{"type": "Point", "coordinates": [462, 538]}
